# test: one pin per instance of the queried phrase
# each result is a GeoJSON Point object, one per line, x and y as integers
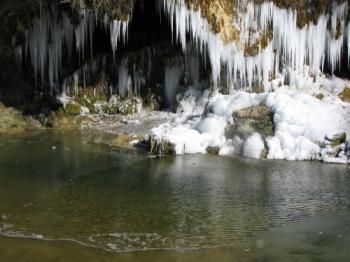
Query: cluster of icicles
{"type": "Point", "coordinates": [290, 49]}
{"type": "Point", "coordinates": [50, 35]}
{"type": "Point", "coordinates": [129, 81]}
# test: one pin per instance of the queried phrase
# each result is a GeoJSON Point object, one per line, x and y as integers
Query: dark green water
{"type": "Point", "coordinates": [67, 189]}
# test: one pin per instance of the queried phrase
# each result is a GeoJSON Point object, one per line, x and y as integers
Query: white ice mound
{"type": "Point", "coordinates": [254, 146]}
{"type": "Point", "coordinates": [301, 124]}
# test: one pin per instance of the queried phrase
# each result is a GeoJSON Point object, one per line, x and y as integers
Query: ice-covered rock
{"type": "Point", "coordinates": [285, 124]}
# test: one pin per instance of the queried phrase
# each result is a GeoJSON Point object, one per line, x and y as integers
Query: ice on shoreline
{"type": "Point", "coordinates": [301, 122]}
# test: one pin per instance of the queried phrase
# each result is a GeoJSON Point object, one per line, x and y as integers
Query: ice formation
{"type": "Point", "coordinates": [49, 34]}
{"type": "Point", "coordinates": [172, 76]}
{"type": "Point", "coordinates": [301, 122]}
{"type": "Point", "coordinates": [118, 30]}
{"type": "Point", "coordinates": [293, 57]}
{"type": "Point", "coordinates": [254, 146]}
{"type": "Point", "coordinates": [124, 79]}
{"type": "Point", "coordinates": [291, 48]}
{"type": "Point", "coordinates": [348, 38]}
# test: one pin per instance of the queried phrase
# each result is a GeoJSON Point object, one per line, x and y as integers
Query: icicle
{"type": "Point", "coordinates": [124, 79]}
{"type": "Point", "coordinates": [50, 32]}
{"type": "Point", "coordinates": [290, 47]}
{"type": "Point", "coordinates": [76, 82]}
{"type": "Point", "coordinates": [193, 68]}
{"type": "Point", "coordinates": [118, 30]}
{"type": "Point", "coordinates": [19, 56]}
{"type": "Point", "coordinates": [334, 52]}
{"type": "Point", "coordinates": [348, 38]}
{"type": "Point", "coordinates": [172, 77]}
{"type": "Point", "coordinates": [149, 62]}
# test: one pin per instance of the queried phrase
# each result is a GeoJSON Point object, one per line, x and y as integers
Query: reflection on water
{"type": "Point", "coordinates": [64, 187]}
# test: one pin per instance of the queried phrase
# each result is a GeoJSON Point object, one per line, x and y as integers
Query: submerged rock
{"type": "Point", "coordinates": [126, 141]}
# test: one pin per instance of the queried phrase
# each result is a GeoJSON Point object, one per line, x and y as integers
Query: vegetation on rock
{"type": "Point", "coordinates": [345, 95]}
{"type": "Point", "coordinates": [12, 121]}
{"type": "Point", "coordinates": [258, 119]}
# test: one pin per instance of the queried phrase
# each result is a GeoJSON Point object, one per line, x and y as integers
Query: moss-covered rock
{"type": "Point", "coordinates": [12, 121]}
{"type": "Point", "coordinates": [151, 102]}
{"type": "Point", "coordinates": [256, 119]}
{"type": "Point", "coordinates": [213, 150]}
{"type": "Point", "coordinates": [123, 106]}
{"type": "Point", "coordinates": [319, 96]}
{"type": "Point", "coordinates": [64, 123]}
{"type": "Point", "coordinates": [120, 9]}
{"type": "Point", "coordinates": [337, 139]}
{"type": "Point", "coordinates": [159, 146]}
{"type": "Point", "coordinates": [72, 109]}
{"type": "Point", "coordinates": [345, 95]}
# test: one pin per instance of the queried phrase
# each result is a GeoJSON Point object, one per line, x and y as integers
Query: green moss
{"type": "Point", "coordinates": [151, 102]}
{"type": "Point", "coordinates": [72, 109]}
{"type": "Point", "coordinates": [256, 119]}
{"type": "Point", "coordinates": [11, 120]}
{"type": "Point", "coordinates": [160, 146]}
{"type": "Point", "coordinates": [337, 139]}
{"type": "Point", "coordinates": [123, 106]}
{"type": "Point", "coordinates": [345, 95]}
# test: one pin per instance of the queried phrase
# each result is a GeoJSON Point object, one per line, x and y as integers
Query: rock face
{"type": "Point", "coordinates": [221, 13]}
{"type": "Point", "coordinates": [118, 9]}
{"type": "Point", "coordinates": [251, 120]}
